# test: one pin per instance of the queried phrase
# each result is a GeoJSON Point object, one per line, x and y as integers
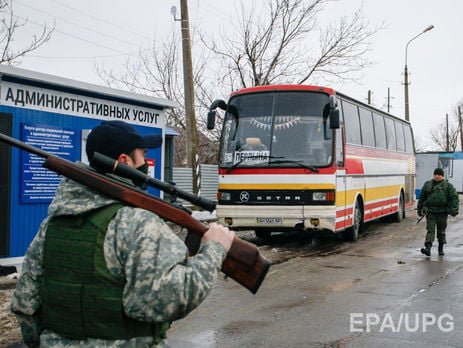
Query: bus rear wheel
{"type": "Point", "coordinates": [398, 217]}
{"type": "Point", "coordinates": [352, 233]}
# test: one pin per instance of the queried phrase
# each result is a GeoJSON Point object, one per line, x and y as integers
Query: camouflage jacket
{"type": "Point", "coordinates": [162, 282]}
{"type": "Point", "coordinates": [438, 197]}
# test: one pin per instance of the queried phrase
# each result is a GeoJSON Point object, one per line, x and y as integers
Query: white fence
{"type": "Point", "coordinates": [183, 179]}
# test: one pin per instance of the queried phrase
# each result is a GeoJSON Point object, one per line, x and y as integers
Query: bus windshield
{"type": "Point", "coordinates": [277, 129]}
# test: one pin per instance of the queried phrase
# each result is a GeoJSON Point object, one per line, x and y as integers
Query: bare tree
{"type": "Point", "coordinates": [157, 72]}
{"type": "Point", "coordinates": [439, 134]}
{"type": "Point", "coordinates": [284, 44]}
{"type": "Point", "coordinates": [420, 143]}
{"type": "Point", "coordinates": [153, 72]}
{"type": "Point", "coordinates": [267, 48]}
{"type": "Point", "coordinates": [10, 26]}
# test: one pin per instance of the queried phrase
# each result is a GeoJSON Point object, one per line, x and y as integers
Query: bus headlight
{"type": "Point", "coordinates": [319, 196]}
{"type": "Point", "coordinates": [323, 196]}
{"type": "Point", "coordinates": [225, 196]}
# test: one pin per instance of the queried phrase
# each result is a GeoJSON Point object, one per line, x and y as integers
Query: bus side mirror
{"type": "Point", "coordinates": [334, 119]}
{"type": "Point", "coordinates": [218, 103]}
{"type": "Point", "coordinates": [211, 119]}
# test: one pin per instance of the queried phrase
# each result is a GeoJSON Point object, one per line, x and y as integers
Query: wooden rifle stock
{"type": "Point", "coordinates": [243, 263]}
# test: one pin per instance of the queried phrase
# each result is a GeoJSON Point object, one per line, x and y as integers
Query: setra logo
{"type": "Point", "coordinates": [244, 196]}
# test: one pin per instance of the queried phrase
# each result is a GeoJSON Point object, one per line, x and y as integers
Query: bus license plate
{"type": "Point", "coordinates": [269, 221]}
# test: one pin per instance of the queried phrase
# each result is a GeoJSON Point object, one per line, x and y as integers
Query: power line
{"type": "Point", "coordinates": [219, 13]}
{"type": "Point", "coordinates": [78, 25]}
{"type": "Point", "coordinates": [74, 36]}
{"type": "Point", "coordinates": [74, 57]}
{"type": "Point", "coordinates": [100, 20]}
{"type": "Point", "coordinates": [215, 11]}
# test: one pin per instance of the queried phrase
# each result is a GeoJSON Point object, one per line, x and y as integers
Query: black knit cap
{"type": "Point", "coordinates": [113, 138]}
{"type": "Point", "coordinates": [439, 171]}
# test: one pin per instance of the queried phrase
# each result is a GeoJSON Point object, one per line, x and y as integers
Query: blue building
{"type": "Point", "coordinates": [56, 115]}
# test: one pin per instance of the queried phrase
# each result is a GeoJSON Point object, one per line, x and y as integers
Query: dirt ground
{"type": "Point", "coordinates": [10, 334]}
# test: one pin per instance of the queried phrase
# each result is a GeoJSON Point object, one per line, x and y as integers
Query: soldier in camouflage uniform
{"type": "Point", "coordinates": [438, 199]}
{"type": "Point", "coordinates": [100, 274]}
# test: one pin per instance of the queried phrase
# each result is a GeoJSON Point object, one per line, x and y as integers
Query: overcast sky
{"type": "Point", "coordinates": [106, 32]}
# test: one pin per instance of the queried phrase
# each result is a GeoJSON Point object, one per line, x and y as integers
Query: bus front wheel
{"type": "Point", "coordinates": [352, 233]}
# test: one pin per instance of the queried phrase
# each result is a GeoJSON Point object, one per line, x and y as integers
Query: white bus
{"type": "Point", "coordinates": [309, 158]}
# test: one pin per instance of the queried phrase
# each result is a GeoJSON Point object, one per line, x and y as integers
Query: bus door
{"type": "Point", "coordinates": [340, 180]}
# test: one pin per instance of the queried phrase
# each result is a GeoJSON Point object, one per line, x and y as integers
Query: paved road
{"type": "Point", "coordinates": [378, 292]}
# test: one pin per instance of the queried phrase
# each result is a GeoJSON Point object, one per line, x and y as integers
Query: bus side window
{"type": "Point", "coordinates": [408, 139]}
{"type": "Point", "coordinates": [380, 133]}
{"type": "Point", "coordinates": [390, 134]}
{"type": "Point", "coordinates": [399, 135]}
{"type": "Point", "coordinates": [351, 123]}
{"type": "Point", "coordinates": [339, 147]}
{"type": "Point", "coordinates": [340, 141]}
{"type": "Point", "coordinates": [366, 125]}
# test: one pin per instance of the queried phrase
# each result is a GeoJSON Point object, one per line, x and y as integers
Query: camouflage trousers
{"type": "Point", "coordinates": [434, 220]}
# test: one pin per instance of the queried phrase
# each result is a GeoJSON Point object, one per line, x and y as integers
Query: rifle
{"type": "Point", "coordinates": [243, 263]}
{"type": "Point", "coordinates": [106, 164]}
{"type": "Point", "coordinates": [424, 211]}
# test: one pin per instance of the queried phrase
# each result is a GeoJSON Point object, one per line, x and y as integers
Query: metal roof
{"type": "Point", "coordinates": [171, 131]}
{"type": "Point", "coordinates": [18, 75]}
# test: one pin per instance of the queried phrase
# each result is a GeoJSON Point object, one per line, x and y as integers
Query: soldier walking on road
{"type": "Point", "coordinates": [438, 199]}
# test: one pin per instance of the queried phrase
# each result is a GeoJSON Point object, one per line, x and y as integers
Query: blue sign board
{"type": "Point", "coordinates": [38, 184]}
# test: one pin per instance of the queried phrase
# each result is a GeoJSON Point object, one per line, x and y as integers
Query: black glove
{"type": "Point", "coordinates": [420, 213]}
{"type": "Point", "coordinates": [454, 212]}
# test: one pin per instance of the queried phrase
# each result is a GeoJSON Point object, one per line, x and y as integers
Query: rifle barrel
{"type": "Point", "coordinates": [110, 165]}
{"type": "Point", "coordinates": [24, 146]}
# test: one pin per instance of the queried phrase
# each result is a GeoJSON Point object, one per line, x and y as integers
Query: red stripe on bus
{"type": "Point", "coordinates": [348, 222]}
{"type": "Point", "coordinates": [354, 166]}
{"type": "Point", "coordinates": [380, 213]}
{"type": "Point", "coordinates": [380, 204]}
{"type": "Point", "coordinates": [370, 215]}
{"type": "Point", "coordinates": [341, 224]}
{"type": "Point", "coordinates": [283, 87]}
{"type": "Point", "coordinates": [345, 212]}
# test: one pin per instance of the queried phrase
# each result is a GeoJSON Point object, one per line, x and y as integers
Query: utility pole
{"type": "Point", "coordinates": [406, 83]}
{"type": "Point", "coordinates": [447, 146]}
{"type": "Point", "coordinates": [192, 141]}
{"type": "Point", "coordinates": [369, 97]}
{"type": "Point", "coordinates": [461, 129]}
